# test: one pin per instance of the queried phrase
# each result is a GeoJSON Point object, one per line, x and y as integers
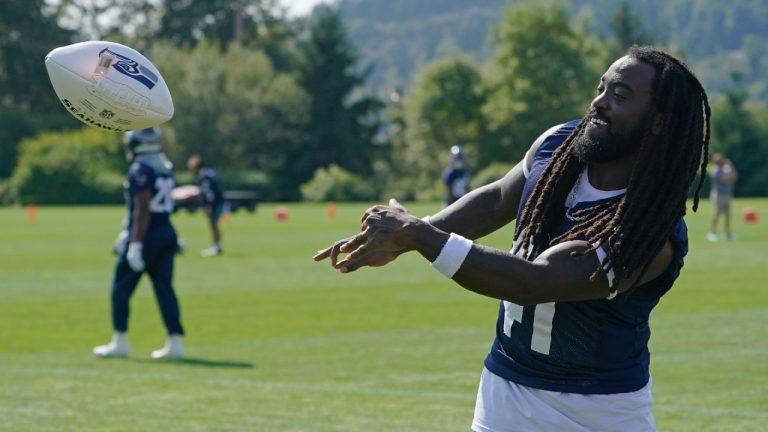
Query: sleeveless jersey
{"type": "Point", "coordinates": [588, 347]}
{"type": "Point", "coordinates": [150, 172]}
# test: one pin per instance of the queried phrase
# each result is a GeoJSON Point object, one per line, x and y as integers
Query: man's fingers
{"type": "Point", "coordinates": [356, 241]}
{"type": "Point", "coordinates": [349, 265]}
{"type": "Point", "coordinates": [322, 254]}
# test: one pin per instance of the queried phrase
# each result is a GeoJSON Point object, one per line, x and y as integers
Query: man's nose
{"type": "Point", "coordinates": [600, 101]}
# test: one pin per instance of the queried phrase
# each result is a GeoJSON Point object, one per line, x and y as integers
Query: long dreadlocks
{"type": "Point", "coordinates": [634, 228]}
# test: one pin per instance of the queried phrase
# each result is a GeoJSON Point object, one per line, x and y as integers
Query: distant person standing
{"type": "Point", "coordinates": [150, 245]}
{"type": "Point", "coordinates": [456, 176]}
{"type": "Point", "coordinates": [724, 177]}
{"type": "Point", "coordinates": [213, 200]}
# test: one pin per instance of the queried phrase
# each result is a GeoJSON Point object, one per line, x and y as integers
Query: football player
{"type": "Point", "coordinates": [212, 198]}
{"type": "Point", "coordinates": [149, 246]}
{"type": "Point", "coordinates": [599, 239]}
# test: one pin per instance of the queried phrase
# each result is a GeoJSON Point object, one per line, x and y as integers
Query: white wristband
{"type": "Point", "coordinates": [452, 255]}
{"type": "Point", "coordinates": [427, 219]}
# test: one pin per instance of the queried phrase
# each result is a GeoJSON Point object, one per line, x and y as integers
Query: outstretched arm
{"type": "Point", "coordinates": [560, 273]}
{"type": "Point", "coordinates": [479, 213]}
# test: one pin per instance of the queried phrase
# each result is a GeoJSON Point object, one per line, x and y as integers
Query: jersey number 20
{"type": "Point", "coordinates": [162, 202]}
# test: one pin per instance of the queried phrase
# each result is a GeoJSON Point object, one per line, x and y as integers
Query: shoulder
{"type": "Point", "coordinates": [548, 142]}
{"type": "Point", "coordinates": [139, 169]}
{"type": "Point", "coordinates": [140, 175]}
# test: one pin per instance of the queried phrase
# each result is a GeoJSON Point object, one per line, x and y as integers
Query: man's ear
{"type": "Point", "coordinates": [658, 124]}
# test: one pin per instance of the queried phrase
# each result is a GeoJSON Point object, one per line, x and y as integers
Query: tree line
{"type": "Point", "coordinates": [282, 105]}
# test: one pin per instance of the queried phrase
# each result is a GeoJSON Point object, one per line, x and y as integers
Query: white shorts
{"type": "Point", "coordinates": [505, 406]}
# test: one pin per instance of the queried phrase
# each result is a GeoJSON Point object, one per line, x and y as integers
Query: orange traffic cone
{"type": "Point", "coordinates": [31, 213]}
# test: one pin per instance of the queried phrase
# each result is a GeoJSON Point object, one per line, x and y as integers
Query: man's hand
{"type": "Point", "coordinates": [134, 258]}
{"type": "Point", "coordinates": [376, 244]}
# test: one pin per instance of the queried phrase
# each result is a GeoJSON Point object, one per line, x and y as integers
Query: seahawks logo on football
{"type": "Point", "coordinates": [132, 68]}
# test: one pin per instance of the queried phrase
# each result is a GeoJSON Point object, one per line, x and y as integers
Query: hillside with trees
{"type": "Point", "coordinates": [363, 100]}
{"type": "Point", "coordinates": [716, 38]}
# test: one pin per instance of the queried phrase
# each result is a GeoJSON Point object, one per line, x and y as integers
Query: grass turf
{"type": "Point", "coordinates": [279, 342]}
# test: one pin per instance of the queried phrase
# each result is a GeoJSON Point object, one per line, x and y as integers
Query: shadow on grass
{"type": "Point", "coordinates": [192, 361]}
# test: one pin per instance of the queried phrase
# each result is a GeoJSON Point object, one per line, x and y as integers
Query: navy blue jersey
{"type": "Point", "coordinates": [589, 347]}
{"type": "Point", "coordinates": [456, 178]}
{"type": "Point", "coordinates": [210, 191]}
{"type": "Point", "coordinates": [153, 173]}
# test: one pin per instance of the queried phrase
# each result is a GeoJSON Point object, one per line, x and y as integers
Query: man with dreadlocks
{"type": "Point", "coordinates": [600, 237]}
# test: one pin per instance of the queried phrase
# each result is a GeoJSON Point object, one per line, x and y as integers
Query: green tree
{"type": "Point", "coordinates": [233, 108]}
{"type": "Point", "coordinates": [444, 109]}
{"type": "Point", "coordinates": [129, 21]}
{"type": "Point", "coordinates": [343, 119]}
{"type": "Point", "coordinates": [14, 126]}
{"type": "Point", "coordinates": [544, 73]}
{"type": "Point", "coordinates": [739, 133]}
{"type": "Point", "coordinates": [259, 24]}
{"type": "Point", "coordinates": [27, 100]}
{"type": "Point", "coordinates": [628, 29]}
{"type": "Point", "coordinates": [26, 36]}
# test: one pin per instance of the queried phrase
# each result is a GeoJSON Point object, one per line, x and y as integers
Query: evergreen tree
{"type": "Point", "coordinates": [27, 100]}
{"type": "Point", "coordinates": [26, 36]}
{"type": "Point", "coordinates": [343, 119]}
{"type": "Point", "coordinates": [628, 29]}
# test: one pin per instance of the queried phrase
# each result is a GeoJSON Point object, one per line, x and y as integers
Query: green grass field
{"type": "Point", "coordinates": [277, 342]}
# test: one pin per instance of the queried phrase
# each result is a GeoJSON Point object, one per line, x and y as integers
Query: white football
{"type": "Point", "coordinates": [109, 86]}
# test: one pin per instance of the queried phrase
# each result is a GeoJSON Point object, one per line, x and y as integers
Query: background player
{"type": "Point", "coordinates": [212, 198]}
{"type": "Point", "coordinates": [724, 177]}
{"type": "Point", "coordinates": [456, 176]}
{"type": "Point", "coordinates": [152, 245]}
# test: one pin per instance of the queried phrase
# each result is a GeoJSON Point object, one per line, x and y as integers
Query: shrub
{"type": "Point", "coordinates": [337, 184]}
{"type": "Point", "coordinates": [77, 167]}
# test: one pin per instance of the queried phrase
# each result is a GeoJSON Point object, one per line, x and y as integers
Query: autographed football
{"type": "Point", "coordinates": [109, 86]}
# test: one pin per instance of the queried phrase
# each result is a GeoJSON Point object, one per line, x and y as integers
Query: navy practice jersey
{"type": "Point", "coordinates": [152, 172]}
{"type": "Point", "coordinates": [457, 179]}
{"type": "Point", "coordinates": [589, 347]}
{"type": "Point", "coordinates": [209, 187]}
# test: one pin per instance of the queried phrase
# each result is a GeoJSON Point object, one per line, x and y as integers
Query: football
{"type": "Point", "coordinates": [109, 86]}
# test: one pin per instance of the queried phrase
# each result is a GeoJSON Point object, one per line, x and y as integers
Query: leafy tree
{"type": "Point", "coordinates": [544, 73]}
{"type": "Point", "coordinates": [444, 109]}
{"type": "Point", "coordinates": [133, 22]}
{"type": "Point", "coordinates": [258, 24]}
{"type": "Point", "coordinates": [232, 107]}
{"type": "Point", "coordinates": [739, 132]}
{"type": "Point", "coordinates": [343, 120]}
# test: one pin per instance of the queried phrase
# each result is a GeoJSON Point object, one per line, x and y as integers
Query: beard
{"type": "Point", "coordinates": [608, 148]}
